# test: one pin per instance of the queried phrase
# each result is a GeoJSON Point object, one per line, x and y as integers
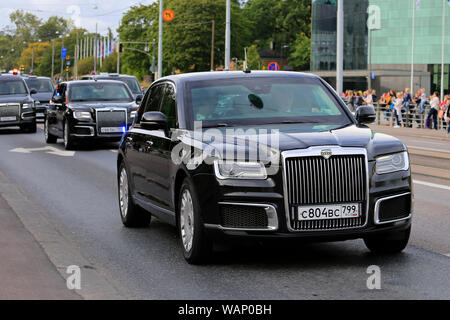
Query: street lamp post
{"type": "Point", "coordinates": [340, 47]}
{"type": "Point", "coordinates": [160, 39]}
{"type": "Point", "coordinates": [227, 35]}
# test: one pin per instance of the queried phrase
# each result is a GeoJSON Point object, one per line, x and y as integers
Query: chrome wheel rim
{"type": "Point", "coordinates": [66, 134]}
{"type": "Point", "coordinates": [187, 220]}
{"type": "Point", "coordinates": [123, 193]}
{"type": "Point", "coordinates": [46, 129]}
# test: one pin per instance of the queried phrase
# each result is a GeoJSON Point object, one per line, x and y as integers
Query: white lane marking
{"type": "Point", "coordinates": [427, 149]}
{"type": "Point", "coordinates": [48, 150]}
{"type": "Point", "coordinates": [113, 150]}
{"type": "Point", "coordinates": [447, 254]}
{"type": "Point", "coordinates": [434, 185]}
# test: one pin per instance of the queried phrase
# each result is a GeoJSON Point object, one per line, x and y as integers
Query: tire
{"type": "Point", "coordinates": [49, 138]}
{"type": "Point", "coordinates": [29, 128]}
{"type": "Point", "coordinates": [197, 247]}
{"type": "Point", "coordinates": [393, 242]}
{"type": "Point", "coordinates": [69, 142]}
{"type": "Point", "coordinates": [132, 215]}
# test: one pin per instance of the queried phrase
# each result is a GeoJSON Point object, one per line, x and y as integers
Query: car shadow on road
{"type": "Point", "coordinates": [285, 254]}
{"type": "Point", "coordinates": [10, 130]}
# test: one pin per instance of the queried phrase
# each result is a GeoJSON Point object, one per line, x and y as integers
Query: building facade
{"type": "Point", "coordinates": [389, 48]}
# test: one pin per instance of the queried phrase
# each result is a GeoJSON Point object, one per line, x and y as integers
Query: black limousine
{"type": "Point", "coordinates": [262, 155]}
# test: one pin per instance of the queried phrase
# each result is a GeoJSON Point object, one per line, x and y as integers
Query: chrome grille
{"type": "Point", "coordinates": [10, 110]}
{"type": "Point", "coordinates": [111, 118]}
{"type": "Point", "coordinates": [312, 180]}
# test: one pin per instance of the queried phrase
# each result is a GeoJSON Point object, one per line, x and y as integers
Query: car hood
{"type": "Point", "coordinates": [351, 136]}
{"type": "Point", "coordinates": [43, 97]}
{"type": "Point", "coordinates": [15, 99]}
{"type": "Point", "coordinates": [92, 106]}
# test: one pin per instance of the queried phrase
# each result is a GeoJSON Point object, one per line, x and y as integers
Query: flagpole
{"type": "Point", "coordinates": [443, 48]}
{"type": "Point", "coordinates": [414, 3]}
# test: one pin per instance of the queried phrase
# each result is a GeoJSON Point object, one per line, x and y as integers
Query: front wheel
{"type": "Point", "coordinates": [132, 215]}
{"type": "Point", "coordinates": [49, 138]}
{"type": "Point", "coordinates": [393, 242]}
{"type": "Point", "coordinates": [69, 142]}
{"type": "Point", "coordinates": [196, 245]}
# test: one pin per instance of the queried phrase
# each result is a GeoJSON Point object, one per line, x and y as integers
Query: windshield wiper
{"type": "Point", "coordinates": [217, 125]}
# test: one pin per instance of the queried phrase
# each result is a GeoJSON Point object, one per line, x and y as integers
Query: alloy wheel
{"type": "Point", "coordinates": [187, 220]}
{"type": "Point", "coordinates": [123, 192]}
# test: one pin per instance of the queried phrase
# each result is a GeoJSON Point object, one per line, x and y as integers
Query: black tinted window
{"type": "Point", "coordinates": [168, 106]}
{"type": "Point", "coordinates": [152, 101]}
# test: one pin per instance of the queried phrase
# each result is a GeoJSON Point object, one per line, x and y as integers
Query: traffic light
{"type": "Point", "coordinates": [22, 68]}
{"type": "Point", "coordinates": [67, 69]}
{"type": "Point", "coordinates": [120, 47]}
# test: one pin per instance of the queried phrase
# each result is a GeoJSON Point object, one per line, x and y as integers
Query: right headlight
{"type": "Point", "coordinates": [239, 170]}
{"type": "Point", "coordinates": [392, 163]}
{"type": "Point", "coordinates": [82, 115]}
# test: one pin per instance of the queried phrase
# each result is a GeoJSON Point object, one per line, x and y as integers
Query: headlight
{"type": "Point", "coordinates": [133, 114]}
{"type": "Point", "coordinates": [26, 106]}
{"type": "Point", "coordinates": [393, 162]}
{"type": "Point", "coordinates": [82, 115]}
{"type": "Point", "coordinates": [239, 170]}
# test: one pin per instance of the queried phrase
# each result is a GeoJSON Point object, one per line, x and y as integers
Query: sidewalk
{"type": "Point", "coordinates": [25, 270]}
{"type": "Point", "coordinates": [412, 132]}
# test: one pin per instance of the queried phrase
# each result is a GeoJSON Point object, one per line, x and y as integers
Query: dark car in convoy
{"type": "Point", "coordinates": [44, 91]}
{"type": "Point", "coordinates": [323, 175]}
{"type": "Point", "coordinates": [131, 81]}
{"type": "Point", "coordinates": [87, 110]}
{"type": "Point", "coordinates": [16, 104]}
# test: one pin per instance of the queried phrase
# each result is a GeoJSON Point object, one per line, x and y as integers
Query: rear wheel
{"type": "Point", "coordinates": [69, 142]}
{"type": "Point", "coordinates": [49, 138]}
{"type": "Point", "coordinates": [132, 215]}
{"type": "Point", "coordinates": [393, 242]}
{"type": "Point", "coordinates": [196, 245]}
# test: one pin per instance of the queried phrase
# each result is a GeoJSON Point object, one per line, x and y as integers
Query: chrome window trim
{"type": "Point", "coordinates": [84, 135]}
{"type": "Point", "coordinates": [314, 152]}
{"type": "Point", "coordinates": [377, 208]}
{"type": "Point", "coordinates": [271, 211]}
{"type": "Point", "coordinates": [106, 109]}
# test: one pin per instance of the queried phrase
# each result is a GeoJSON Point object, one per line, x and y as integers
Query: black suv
{"type": "Point", "coordinates": [87, 110]}
{"type": "Point", "coordinates": [16, 104]}
{"type": "Point", "coordinates": [262, 155]}
{"type": "Point", "coordinates": [44, 91]}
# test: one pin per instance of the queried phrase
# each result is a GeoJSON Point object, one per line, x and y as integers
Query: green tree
{"type": "Point", "coordinates": [301, 54]}
{"type": "Point", "coordinates": [53, 27]}
{"type": "Point", "coordinates": [85, 66]}
{"type": "Point", "coordinates": [110, 64]}
{"type": "Point", "coordinates": [253, 58]}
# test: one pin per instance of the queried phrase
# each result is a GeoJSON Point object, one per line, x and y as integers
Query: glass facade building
{"type": "Point", "coordinates": [391, 45]}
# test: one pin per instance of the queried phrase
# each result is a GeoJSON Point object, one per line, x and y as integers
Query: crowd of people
{"type": "Point", "coordinates": [397, 103]}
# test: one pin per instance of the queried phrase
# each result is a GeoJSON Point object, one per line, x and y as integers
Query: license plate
{"type": "Point", "coordinates": [39, 115]}
{"type": "Point", "coordinates": [111, 130]}
{"type": "Point", "coordinates": [8, 119]}
{"type": "Point", "coordinates": [324, 212]}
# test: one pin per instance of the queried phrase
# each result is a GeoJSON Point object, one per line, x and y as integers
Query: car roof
{"type": "Point", "coordinates": [221, 75]}
{"type": "Point", "coordinates": [6, 76]}
{"type": "Point", "coordinates": [91, 81]}
{"type": "Point", "coordinates": [35, 77]}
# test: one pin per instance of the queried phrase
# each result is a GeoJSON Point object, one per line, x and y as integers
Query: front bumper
{"type": "Point", "coordinates": [269, 192]}
{"type": "Point", "coordinates": [88, 130]}
{"type": "Point", "coordinates": [26, 118]}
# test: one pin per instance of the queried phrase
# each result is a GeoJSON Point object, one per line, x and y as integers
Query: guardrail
{"type": "Point", "coordinates": [411, 117]}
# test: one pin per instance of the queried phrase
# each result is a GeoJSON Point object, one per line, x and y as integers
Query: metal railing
{"type": "Point", "coordinates": [411, 117]}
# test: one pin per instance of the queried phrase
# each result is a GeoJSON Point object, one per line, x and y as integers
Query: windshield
{"type": "Point", "coordinates": [99, 92]}
{"type": "Point", "coordinates": [260, 101]}
{"type": "Point", "coordinates": [12, 87]}
{"type": "Point", "coordinates": [131, 82]}
{"type": "Point", "coordinates": [41, 85]}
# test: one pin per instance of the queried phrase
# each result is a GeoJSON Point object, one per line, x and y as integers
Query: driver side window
{"type": "Point", "coordinates": [152, 101]}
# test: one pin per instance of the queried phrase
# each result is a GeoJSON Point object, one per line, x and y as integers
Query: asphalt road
{"type": "Point", "coordinates": [78, 192]}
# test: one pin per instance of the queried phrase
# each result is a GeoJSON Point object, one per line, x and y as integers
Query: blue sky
{"type": "Point", "coordinates": [86, 13]}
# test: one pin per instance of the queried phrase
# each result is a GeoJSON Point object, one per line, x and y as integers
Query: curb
{"type": "Point", "coordinates": [61, 252]}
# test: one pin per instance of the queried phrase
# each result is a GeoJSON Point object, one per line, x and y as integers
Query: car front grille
{"type": "Point", "coordinates": [10, 110]}
{"type": "Point", "coordinates": [314, 180]}
{"type": "Point", "coordinates": [111, 118]}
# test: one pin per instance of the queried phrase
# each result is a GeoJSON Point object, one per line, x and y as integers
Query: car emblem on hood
{"type": "Point", "coordinates": [326, 153]}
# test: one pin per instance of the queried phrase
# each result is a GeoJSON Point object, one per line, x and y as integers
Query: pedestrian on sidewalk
{"type": "Point", "coordinates": [398, 103]}
{"type": "Point", "coordinates": [423, 100]}
{"type": "Point", "coordinates": [368, 98]}
{"type": "Point", "coordinates": [448, 117]}
{"type": "Point", "coordinates": [433, 113]}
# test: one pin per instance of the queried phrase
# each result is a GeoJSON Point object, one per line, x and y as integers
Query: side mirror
{"type": "Point", "coordinates": [365, 114]}
{"type": "Point", "coordinates": [139, 98]}
{"type": "Point", "coordinates": [33, 91]}
{"type": "Point", "coordinates": [58, 99]}
{"type": "Point", "coordinates": [154, 120]}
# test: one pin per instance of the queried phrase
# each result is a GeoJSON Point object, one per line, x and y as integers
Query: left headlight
{"type": "Point", "coordinates": [240, 170]}
{"type": "Point", "coordinates": [82, 115]}
{"type": "Point", "coordinates": [26, 106]}
{"type": "Point", "coordinates": [393, 162]}
{"type": "Point", "coordinates": [133, 114]}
